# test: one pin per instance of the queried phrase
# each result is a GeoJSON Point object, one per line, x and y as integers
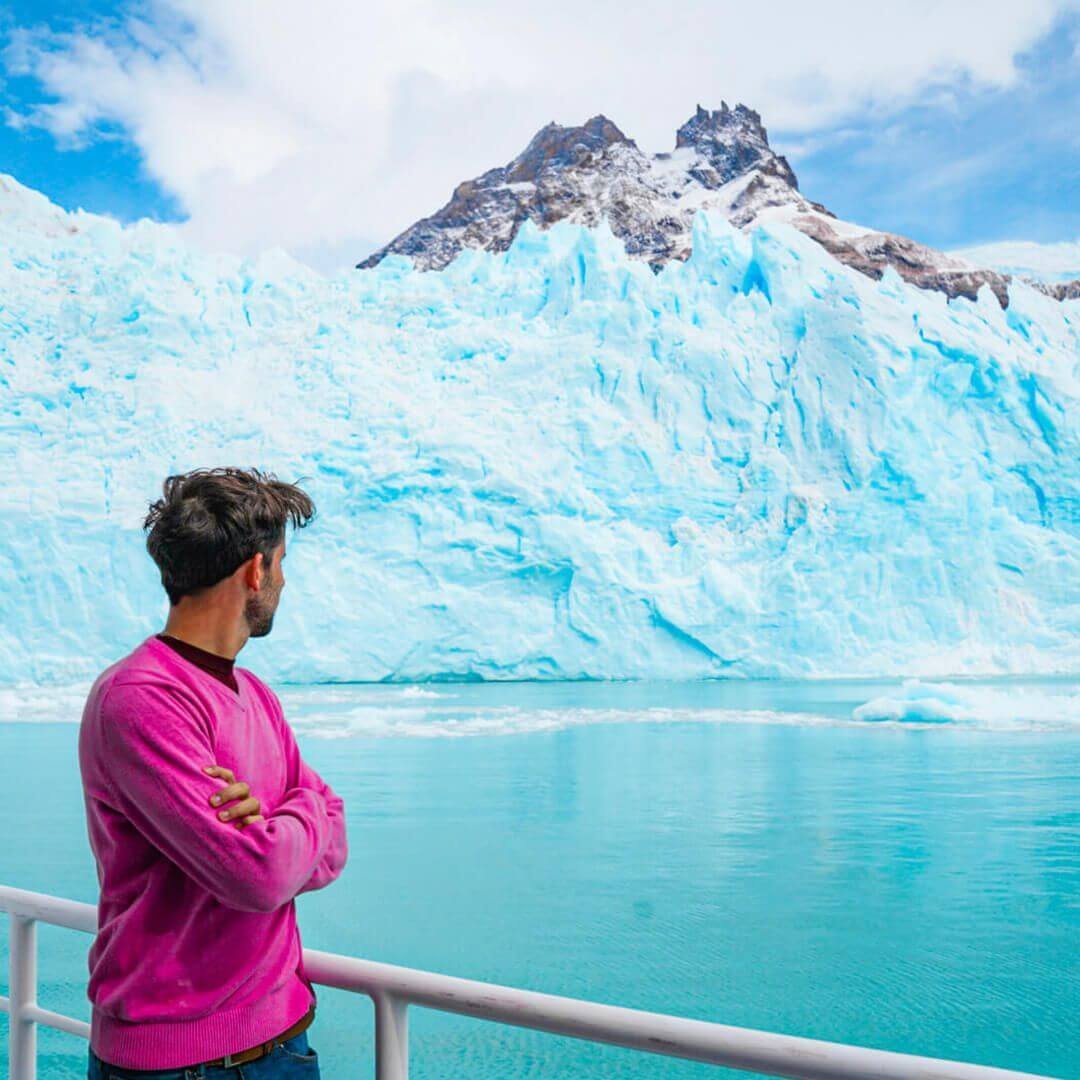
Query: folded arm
{"type": "Point", "coordinates": [156, 746]}
{"type": "Point", "coordinates": [300, 775]}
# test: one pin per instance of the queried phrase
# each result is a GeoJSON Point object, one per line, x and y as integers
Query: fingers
{"type": "Point", "coordinates": [241, 809]}
{"type": "Point", "coordinates": [239, 790]}
{"type": "Point", "coordinates": [243, 813]}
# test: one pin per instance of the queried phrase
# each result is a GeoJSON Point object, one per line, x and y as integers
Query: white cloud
{"type": "Point", "coordinates": [323, 125]}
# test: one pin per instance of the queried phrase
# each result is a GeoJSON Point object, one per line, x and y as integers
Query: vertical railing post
{"type": "Point", "coordinates": [22, 980]}
{"type": "Point", "coordinates": [391, 1037]}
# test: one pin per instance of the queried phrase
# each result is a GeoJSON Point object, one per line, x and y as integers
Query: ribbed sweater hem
{"type": "Point", "coordinates": [180, 1043]}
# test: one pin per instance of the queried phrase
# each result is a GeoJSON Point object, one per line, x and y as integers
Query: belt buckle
{"type": "Point", "coordinates": [231, 1061]}
{"type": "Point", "coordinates": [228, 1062]}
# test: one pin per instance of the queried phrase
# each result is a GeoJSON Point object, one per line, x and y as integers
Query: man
{"type": "Point", "coordinates": [204, 820]}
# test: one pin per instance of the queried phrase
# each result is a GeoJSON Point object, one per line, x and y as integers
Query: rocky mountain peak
{"type": "Point", "coordinates": [555, 146]}
{"type": "Point", "coordinates": [705, 126]}
{"type": "Point", "coordinates": [722, 162]}
{"type": "Point", "coordinates": [732, 141]}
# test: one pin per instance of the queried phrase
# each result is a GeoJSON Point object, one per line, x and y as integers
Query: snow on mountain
{"type": "Point", "coordinates": [549, 462]}
{"type": "Point", "coordinates": [722, 161]}
{"type": "Point", "coordinates": [1044, 262]}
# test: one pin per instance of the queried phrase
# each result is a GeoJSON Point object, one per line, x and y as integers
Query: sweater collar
{"type": "Point", "coordinates": [219, 668]}
{"type": "Point", "coordinates": [198, 656]}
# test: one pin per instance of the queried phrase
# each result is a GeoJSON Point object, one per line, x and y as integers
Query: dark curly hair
{"type": "Point", "coordinates": [210, 521]}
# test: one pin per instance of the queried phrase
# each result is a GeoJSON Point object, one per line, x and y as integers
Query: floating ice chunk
{"type": "Point", "coordinates": [1053, 706]}
{"type": "Point", "coordinates": [917, 702]}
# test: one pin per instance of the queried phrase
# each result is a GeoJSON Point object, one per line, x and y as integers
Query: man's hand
{"type": "Point", "coordinates": [246, 811]}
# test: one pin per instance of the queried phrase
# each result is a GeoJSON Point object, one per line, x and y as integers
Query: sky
{"type": "Point", "coordinates": [326, 128]}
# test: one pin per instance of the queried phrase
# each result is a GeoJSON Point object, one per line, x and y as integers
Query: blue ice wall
{"type": "Point", "coordinates": [550, 463]}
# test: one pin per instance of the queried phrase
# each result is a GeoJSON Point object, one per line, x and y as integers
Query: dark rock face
{"type": "Point", "coordinates": [919, 265]}
{"type": "Point", "coordinates": [722, 161]}
{"type": "Point", "coordinates": [594, 172]}
{"type": "Point", "coordinates": [543, 183]}
{"type": "Point", "coordinates": [555, 147]}
{"type": "Point", "coordinates": [732, 141]}
{"type": "Point", "coordinates": [1059, 290]}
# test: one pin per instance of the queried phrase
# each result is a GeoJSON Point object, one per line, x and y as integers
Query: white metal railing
{"type": "Point", "coordinates": [393, 989]}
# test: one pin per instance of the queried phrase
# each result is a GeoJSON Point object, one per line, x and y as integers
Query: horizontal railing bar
{"type": "Point", "coordinates": [71, 914]}
{"type": "Point", "coordinates": [56, 1020]}
{"type": "Point", "coordinates": [655, 1033]}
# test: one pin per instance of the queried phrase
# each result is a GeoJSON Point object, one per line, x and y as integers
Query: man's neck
{"type": "Point", "coordinates": [222, 641]}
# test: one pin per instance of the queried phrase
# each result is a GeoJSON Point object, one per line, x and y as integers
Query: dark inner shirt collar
{"type": "Point", "coordinates": [221, 667]}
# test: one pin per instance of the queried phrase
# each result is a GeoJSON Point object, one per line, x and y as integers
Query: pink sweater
{"type": "Point", "coordinates": [197, 953]}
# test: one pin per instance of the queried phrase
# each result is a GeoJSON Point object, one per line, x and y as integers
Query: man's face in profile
{"type": "Point", "coordinates": [260, 608]}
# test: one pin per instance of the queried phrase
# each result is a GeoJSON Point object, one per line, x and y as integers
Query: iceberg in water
{"type": "Point", "coordinates": [1054, 706]}
{"type": "Point", "coordinates": [549, 463]}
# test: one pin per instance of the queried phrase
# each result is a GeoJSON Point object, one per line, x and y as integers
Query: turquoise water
{"type": "Point", "coordinates": [745, 853]}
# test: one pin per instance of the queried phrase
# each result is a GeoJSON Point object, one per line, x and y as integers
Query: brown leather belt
{"type": "Point", "coordinates": [255, 1052]}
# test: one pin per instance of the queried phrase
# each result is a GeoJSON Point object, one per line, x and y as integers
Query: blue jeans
{"type": "Point", "coordinates": [290, 1060]}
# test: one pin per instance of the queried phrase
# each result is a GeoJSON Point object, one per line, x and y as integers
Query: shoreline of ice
{"type": "Point", "coordinates": [333, 711]}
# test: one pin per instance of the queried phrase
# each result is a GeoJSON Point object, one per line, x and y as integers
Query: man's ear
{"type": "Point", "coordinates": [254, 571]}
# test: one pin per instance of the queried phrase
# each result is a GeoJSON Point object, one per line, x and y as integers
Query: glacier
{"type": "Point", "coordinates": [546, 463]}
